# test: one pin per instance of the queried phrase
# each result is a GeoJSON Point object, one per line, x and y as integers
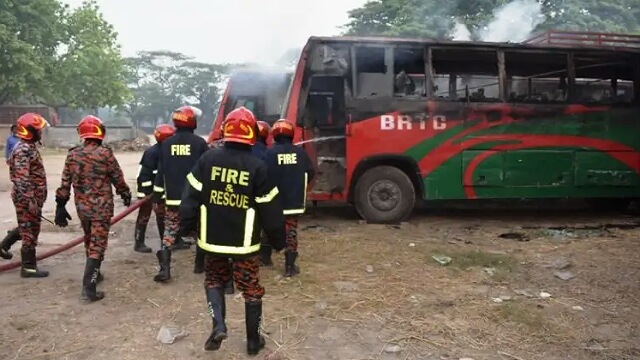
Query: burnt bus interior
{"type": "Point", "coordinates": [261, 92]}
{"type": "Point", "coordinates": [350, 81]}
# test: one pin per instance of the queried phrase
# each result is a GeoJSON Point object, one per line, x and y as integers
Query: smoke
{"type": "Point", "coordinates": [513, 22]}
{"type": "Point", "coordinates": [460, 32]}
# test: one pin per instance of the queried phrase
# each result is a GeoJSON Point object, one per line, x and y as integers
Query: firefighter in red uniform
{"type": "Point", "coordinates": [229, 190]}
{"type": "Point", "coordinates": [178, 154]}
{"type": "Point", "coordinates": [258, 151]}
{"type": "Point", "coordinates": [146, 176]}
{"type": "Point", "coordinates": [292, 170]}
{"type": "Point", "coordinates": [91, 169]}
{"type": "Point", "coordinates": [29, 190]}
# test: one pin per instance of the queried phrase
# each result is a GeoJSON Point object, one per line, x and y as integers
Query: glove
{"type": "Point", "coordinates": [126, 198]}
{"type": "Point", "coordinates": [62, 216]}
{"type": "Point", "coordinates": [157, 197]}
{"type": "Point", "coordinates": [277, 239]}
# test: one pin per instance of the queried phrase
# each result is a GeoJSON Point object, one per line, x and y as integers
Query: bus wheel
{"type": "Point", "coordinates": [384, 194]}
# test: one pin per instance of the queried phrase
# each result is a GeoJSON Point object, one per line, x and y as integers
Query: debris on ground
{"type": "Point", "coordinates": [369, 269]}
{"type": "Point", "coordinates": [138, 144]}
{"type": "Point", "coordinates": [392, 349]}
{"type": "Point", "coordinates": [564, 275]}
{"type": "Point", "coordinates": [442, 259]}
{"type": "Point", "coordinates": [558, 264]}
{"type": "Point", "coordinates": [168, 334]}
{"type": "Point", "coordinates": [514, 236]}
{"type": "Point", "coordinates": [545, 295]}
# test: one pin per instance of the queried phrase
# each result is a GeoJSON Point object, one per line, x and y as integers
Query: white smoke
{"type": "Point", "coordinates": [460, 32]}
{"type": "Point", "coordinates": [513, 22]}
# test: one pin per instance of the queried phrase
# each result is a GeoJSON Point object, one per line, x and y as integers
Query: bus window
{"type": "Point", "coordinates": [373, 73]}
{"type": "Point", "coordinates": [462, 74]}
{"type": "Point", "coordinates": [534, 77]}
{"type": "Point", "coordinates": [326, 102]}
{"type": "Point", "coordinates": [408, 70]}
{"type": "Point", "coordinates": [603, 79]}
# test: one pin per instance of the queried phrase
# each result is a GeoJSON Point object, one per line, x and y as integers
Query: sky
{"type": "Point", "coordinates": [219, 31]}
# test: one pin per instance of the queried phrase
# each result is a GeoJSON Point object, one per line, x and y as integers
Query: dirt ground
{"type": "Point", "coordinates": [365, 292]}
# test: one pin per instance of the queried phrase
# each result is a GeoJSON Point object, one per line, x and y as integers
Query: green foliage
{"type": "Point", "coordinates": [59, 56]}
{"type": "Point", "coordinates": [431, 18]}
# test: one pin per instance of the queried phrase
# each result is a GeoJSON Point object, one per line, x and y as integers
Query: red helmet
{"type": "Point", "coordinates": [284, 128]}
{"type": "Point", "coordinates": [91, 127]}
{"type": "Point", "coordinates": [186, 117]}
{"type": "Point", "coordinates": [163, 132]}
{"type": "Point", "coordinates": [263, 130]}
{"type": "Point", "coordinates": [240, 127]}
{"type": "Point", "coordinates": [29, 127]}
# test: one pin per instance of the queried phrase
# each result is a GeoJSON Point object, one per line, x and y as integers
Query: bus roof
{"type": "Point", "coordinates": [562, 41]}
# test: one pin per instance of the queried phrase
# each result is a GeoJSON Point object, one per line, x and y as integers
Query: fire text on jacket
{"type": "Point", "coordinates": [287, 159]}
{"type": "Point", "coordinates": [180, 150]}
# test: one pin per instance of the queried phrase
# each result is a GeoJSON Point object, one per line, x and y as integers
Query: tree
{"type": "Point", "coordinates": [30, 33]}
{"type": "Point", "coordinates": [430, 18]}
{"type": "Point", "coordinates": [89, 71]}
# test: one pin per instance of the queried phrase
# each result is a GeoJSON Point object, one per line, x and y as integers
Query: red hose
{"type": "Point", "coordinates": [72, 243]}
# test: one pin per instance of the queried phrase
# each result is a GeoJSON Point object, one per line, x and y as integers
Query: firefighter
{"type": "Point", "coordinates": [91, 168]}
{"type": "Point", "coordinates": [12, 237]}
{"type": "Point", "coordinates": [146, 176]}
{"type": "Point", "coordinates": [178, 154]}
{"type": "Point", "coordinates": [238, 200]}
{"type": "Point", "coordinates": [29, 190]}
{"type": "Point", "coordinates": [258, 151]}
{"type": "Point", "coordinates": [292, 170]}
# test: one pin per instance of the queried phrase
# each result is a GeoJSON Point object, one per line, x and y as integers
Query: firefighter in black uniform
{"type": "Point", "coordinates": [178, 154]}
{"type": "Point", "coordinates": [258, 151]}
{"type": "Point", "coordinates": [230, 192]}
{"type": "Point", "coordinates": [292, 170]}
{"type": "Point", "coordinates": [146, 176]}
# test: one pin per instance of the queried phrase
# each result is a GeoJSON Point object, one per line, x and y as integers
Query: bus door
{"type": "Point", "coordinates": [324, 122]}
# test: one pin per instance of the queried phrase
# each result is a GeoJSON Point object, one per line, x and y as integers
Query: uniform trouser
{"type": "Point", "coordinates": [144, 214]}
{"type": "Point", "coordinates": [171, 225]}
{"type": "Point", "coordinates": [246, 274]}
{"type": "Point", "coordinates": [96, 235]}
{"type": "Point", "coordinates": [28, 225]}
{"type": "Point", "coordinates": [291, 227]}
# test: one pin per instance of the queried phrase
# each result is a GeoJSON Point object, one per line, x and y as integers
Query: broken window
{"type": "Point", "coordinates": [462, 74]}
{"type": "Point", "coordinates": [535, 77]}
{"type": "Point", "coordinates": [373, 77]}
{"type": "Point", "coordinates": [408, 70]}
{"type": "Point", "coordinates": [603, 79]}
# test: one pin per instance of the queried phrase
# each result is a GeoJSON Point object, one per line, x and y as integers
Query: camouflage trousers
{"type": "Point", "coordinates": [144, 213]}
{"type": "Point", "coordinates": [28, 225]}
{"type": "Point", "coordinates": [171, 225]}
{"type": "Point", "coordinates": [246, 275]}
{"type": "Point", "coordinates": [291, 227]}
{"type": "Point", "coordinates": [96, 236]}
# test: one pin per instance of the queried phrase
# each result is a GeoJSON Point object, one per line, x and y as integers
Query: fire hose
{"type": "Point", "coordinates": [114, 220]}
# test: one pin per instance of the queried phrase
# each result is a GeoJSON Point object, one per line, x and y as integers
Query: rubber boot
{"type": "Point", "coordinates": [228, 286]}
{"type": "Point", "coordinates": [252, 319]}
{"type": "Point", "coordinates": [29, 265]}
{"type": "Point", "coordinates": [12, 237]}
{"type": "Point", "coordinates": [164, 260]}
{"type": "Point", "coordinates": [100, 276]}
{"type": "Point", "coordinates": [180, 244]}
{"type": "Point", "coordinates": [90, 281]}
{"type": "Point", "coordinates": [139, 236]}
{"type": "Point", "coordinates": [198, 266]}
{"type": "Point", "coordinates": [290, 268]}
{"type": "Point", "coordinates": [218, 311]}
{"type": "Point", "coordinates": [265, 255]}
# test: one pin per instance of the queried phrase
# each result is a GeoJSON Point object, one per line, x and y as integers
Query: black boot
{"type": "Point", "coordinates": [198, 266]}
{"type": "Point", "coordinates": [265, 255]}
{"type": "Point", "coordinates": [12, 237]}
{"type": "Point", "coordinates": [100, 276]}
{"type": "Point", "coordinates": [139, 235]}
{"type": "Point", "coordinates": [180, 244]}
{"type": "Point", "coordinates": [218, 311]}
{"type": "Point", "coordinates": [164, 259]}
{"type": "Point", "coordinates": [90, 281]}
{"type": "Point", "coordinates": [252, 319]}
{"type": "Point", "coordinates": [290, 268]}
{"type": "Point", "coordinates": [29, 264]}
{"type": "Point", "coordinates": [228, 286]}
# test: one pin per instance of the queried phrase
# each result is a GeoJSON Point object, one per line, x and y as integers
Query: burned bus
{"type": "Point", "coordinates": [261, 90]}
{"type": "Point", "coordinates": [388, 121]}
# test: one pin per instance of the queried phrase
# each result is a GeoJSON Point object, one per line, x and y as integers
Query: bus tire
{"type": "Point", "coordinates": [384, 195]}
